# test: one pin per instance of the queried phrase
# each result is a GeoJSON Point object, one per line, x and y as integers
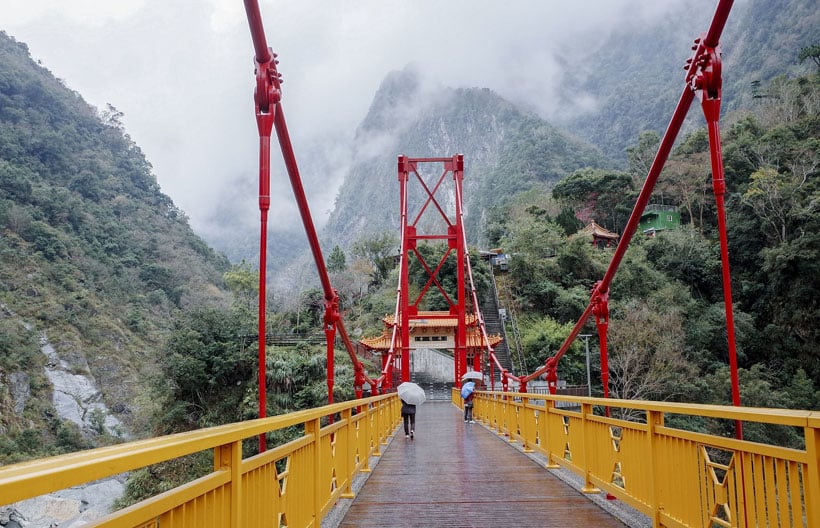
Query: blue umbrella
{"type": "Point", "coordinates": [467, 389]}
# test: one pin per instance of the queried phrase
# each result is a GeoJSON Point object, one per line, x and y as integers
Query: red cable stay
{"type": "Point", "coordinates": [269, 114]}
{"type": "Point", "coordinates": [703, 79]}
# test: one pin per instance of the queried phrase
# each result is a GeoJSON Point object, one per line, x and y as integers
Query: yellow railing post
{"type": "Point", "coordinates": [228, 457]}
{"type": "Point", "coordinates": [313, 428]}
{"type": "Point", "coordinates": [366, 429]}
{"type": "Point", "coordinates": [653, 420]}
{"type": "Point", "coordinates": [812, 477]}
{"type": "Point", "coordinates": [348, 453]}
{"type": "Point", "coordinates": [506, 409]}
{"type": "Point", "coordinates": [546, 438]}
{"type": "Point", "coordinates": [384, 419]}
{"type": "Point", "coordinates": [586, 410]}
{"type": "Point", "coordinates": [515, 423]}
{"type": "Point", "coordinates": [526, 425]}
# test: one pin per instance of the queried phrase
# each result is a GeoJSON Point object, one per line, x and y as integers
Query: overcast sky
{"type": "Point", "coordinates": [182, 70]}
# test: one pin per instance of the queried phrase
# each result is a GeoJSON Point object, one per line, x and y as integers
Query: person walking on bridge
{"type": "Point", "coordinates": [408, 415]}
{"type": "Point", "coordinates": [467, 392]}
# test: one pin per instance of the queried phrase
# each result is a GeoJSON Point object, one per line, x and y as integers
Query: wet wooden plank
{"type": "Point", "coordinates": [462, 475]}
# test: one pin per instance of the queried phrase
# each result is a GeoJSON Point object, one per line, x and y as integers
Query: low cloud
{"type": "Point", "coordinates": [182, 73]}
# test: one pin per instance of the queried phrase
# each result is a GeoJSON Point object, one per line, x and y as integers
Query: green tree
{"type": "Point", "coordinates": [309, 311]}
{"type": "Point", "coordinates": [778, 199]}
{"type": "Point", "coordinates": [646, 356]}
{"type": "Point", "coordinates": [541, 338]}
{"type": "Point", "coordinates": [206, 369]}
{"type": "Point", "coordinates": [602, 195]}
{"type": "Point", "coordinates": [297, 379]}
{"type": "Point", "coordinates": [810, 52]}
{"type": "Point", "coordinates": [641, 156]}
{"type": "Point", "coordinates": [380, 251]}
{"type": "Point", "coordinates": [568, 221]}
{"type": "Point", "coordinates": [243, 281]}
{"type": "Point", "coordinates": [685, 182]}
{"type": "Point", "coordinates": [685, 255]}
{"type": "Point", "coordinates": [336, 261]}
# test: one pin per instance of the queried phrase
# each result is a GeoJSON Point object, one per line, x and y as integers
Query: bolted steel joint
{"type": "Point", "coordinates": [268, 85]}
{"type": "Point", "coordinates": [704, 71]}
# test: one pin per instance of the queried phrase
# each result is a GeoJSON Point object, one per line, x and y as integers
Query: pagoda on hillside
{"type": "Point", "coordinates": [601, 237]}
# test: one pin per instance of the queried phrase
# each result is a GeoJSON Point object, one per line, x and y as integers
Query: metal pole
{"type": "Point", "coordinates": [589, 377]}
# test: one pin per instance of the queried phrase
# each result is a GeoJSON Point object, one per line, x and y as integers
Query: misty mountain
{"type": "Point", "coordinates": [506, 150]}
{"type": "Point", "coordinates": [613, 92]}
{"type": "Point", "coordinates": [636, 76]}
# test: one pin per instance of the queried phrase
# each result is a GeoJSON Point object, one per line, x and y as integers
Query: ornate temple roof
{"type": "Point", "coordinates": [474, 340]}
{"type": "Point", "coordinates": [596, 231]}
{"type": "Point", "coordinates": [433, 320]}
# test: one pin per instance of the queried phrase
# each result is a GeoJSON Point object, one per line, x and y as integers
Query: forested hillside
{"type": "Point", "coordinates": [667, 334]}
{"type": "Point", "coordinates": [94, 259]}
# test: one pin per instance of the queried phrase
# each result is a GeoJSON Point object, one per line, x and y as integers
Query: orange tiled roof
{"type": "Point", "coordinates": [595, 230]}
{"type": "Point", "coordinates": [382, 342]}
{"type": "Point", "coordinates": [433, 320]}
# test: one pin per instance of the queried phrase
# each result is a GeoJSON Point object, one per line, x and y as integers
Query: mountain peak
{"type": "Point", "coordinates": [398, 89]}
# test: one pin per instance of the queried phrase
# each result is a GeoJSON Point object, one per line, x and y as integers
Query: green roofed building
{"type": "Point", "coordinates": [658, 217]}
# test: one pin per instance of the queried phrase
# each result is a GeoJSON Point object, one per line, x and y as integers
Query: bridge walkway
{"type": "Point", "coordinates": [457, 474]}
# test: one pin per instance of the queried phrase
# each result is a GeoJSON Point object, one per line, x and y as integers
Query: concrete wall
{"type": "Point", "coordinates": [437, 365]}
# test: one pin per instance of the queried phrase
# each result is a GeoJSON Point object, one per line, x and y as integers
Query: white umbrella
{"type": "Point", "coordinates": [411, 393]}
{"type": "Point", "coordinates": [473, 375]}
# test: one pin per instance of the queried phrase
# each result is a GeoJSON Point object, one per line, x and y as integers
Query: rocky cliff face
{"type": "Point", "coordinates": [75, 398]}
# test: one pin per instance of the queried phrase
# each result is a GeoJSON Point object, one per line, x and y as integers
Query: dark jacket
{"type": "Point", "coordinates": [406, 408]}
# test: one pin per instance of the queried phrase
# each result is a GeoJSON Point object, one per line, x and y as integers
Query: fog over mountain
{"type": "Point", "coordinates": [183, 79]}
{"type": "Point", "coordinates": [600, 71]}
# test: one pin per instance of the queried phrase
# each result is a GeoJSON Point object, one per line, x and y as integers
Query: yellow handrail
{"type": "Point", "coordinates": [676, 477]}
{"type": "Point", "coordinates": [296, 483]}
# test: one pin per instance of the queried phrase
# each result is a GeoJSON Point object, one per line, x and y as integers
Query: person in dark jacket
{"type": "Point", "coordinates": [408, 415]}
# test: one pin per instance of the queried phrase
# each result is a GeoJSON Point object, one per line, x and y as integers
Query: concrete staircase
{"type": "Point", "coordinates": [433, 371]}
{"type": "Point", "coordinates": [494, 325]}
{"type": "Point", "coordinates": [434, 388]}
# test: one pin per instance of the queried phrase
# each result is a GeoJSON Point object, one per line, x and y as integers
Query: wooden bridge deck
{"type": "Point", "coordinates": [455, 474]}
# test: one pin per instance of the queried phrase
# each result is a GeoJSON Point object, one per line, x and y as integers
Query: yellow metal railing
{"type": "Point", "coordinates": [676, 477]}
{"type": "Point", "coordinates": [293, 485]}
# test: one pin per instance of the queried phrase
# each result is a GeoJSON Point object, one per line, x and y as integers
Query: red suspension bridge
{"type": "Point", "coordinates": [703, 80]}
{"type": "Point", "coordinates": [454, 473]}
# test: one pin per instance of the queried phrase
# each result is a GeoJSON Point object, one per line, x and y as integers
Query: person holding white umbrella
{"type": "Point", "coordinates": [408, 416]}
{"type": "Point", "coordinates": [411, 395]}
